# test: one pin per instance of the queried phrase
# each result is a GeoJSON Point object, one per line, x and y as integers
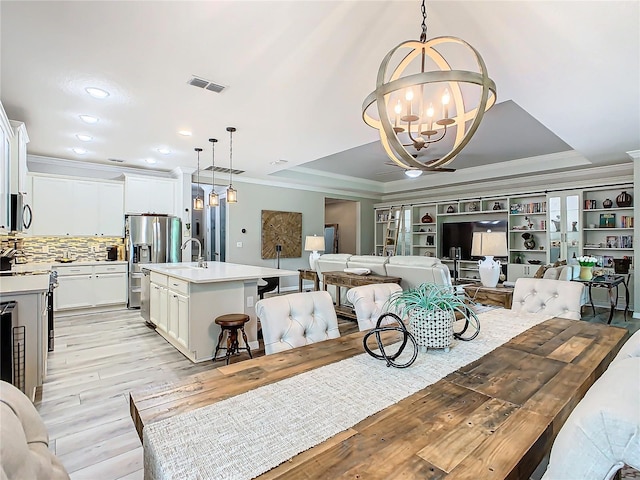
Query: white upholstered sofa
{"type": "Point", "coordinates": [24, 442]}
{"type": "Point", "coordinates": [413, 269]}
{"type": "Point", "coordinates": [602, 434]}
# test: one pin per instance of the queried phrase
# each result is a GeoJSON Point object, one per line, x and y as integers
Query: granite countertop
{"type": "Point", "coordinates": [216, 271]}
{"type": "Point", "coordinates": [46, 266]}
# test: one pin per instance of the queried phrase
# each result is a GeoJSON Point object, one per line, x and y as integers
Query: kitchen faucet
{"type": "Point", "coordinates": [201, 262]}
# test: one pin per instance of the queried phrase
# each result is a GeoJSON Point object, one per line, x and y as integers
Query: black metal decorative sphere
{"type": "Point", "coordinates": [407, 337]}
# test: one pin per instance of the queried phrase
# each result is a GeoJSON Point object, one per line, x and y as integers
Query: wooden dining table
{"type": "Point", "coordinates": [494, 418]}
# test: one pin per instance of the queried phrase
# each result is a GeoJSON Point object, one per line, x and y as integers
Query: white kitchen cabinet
{"type": "Point", "coordinates": [111, 205]}
{"type": "Point", "coordinates": [52, 204]}
{"type": "Point", "coordinates": [6, 135]}
{"type": "Point", "coordinates": [77, 207]}
{"type": "Point", "coordinates": [183, 320]}
{"type": "Point", "coordinates": [19, 157]}
{"type": "Point", "coordinates": [163, 314]}
{"type": "Point", "coordinates": [149, 195]}
{"type": "Point", "coordinates": [110, 284]}
{"type": "Point", "coordinates": [90, 286]}
{"type": "Point", "coordinates": [74, 290]}
{"type": "Point", "coordinates": [154, 303]}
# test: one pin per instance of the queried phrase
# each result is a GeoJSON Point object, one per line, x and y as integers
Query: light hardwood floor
{"type": "Point", "coordinates": [84, 402]}
{"type": "Point", "coordinates": [98, 360]}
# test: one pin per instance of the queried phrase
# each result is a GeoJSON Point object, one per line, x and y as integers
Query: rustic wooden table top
{"type": "Point", "coordinates": [344, 279]}
{"type": "Point", "coordinates": [492, 419]}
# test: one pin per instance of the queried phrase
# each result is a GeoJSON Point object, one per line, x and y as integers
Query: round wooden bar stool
{"type": "Point", "coordinates": [231, 323]}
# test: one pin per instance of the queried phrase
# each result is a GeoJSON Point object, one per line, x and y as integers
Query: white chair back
{"type": "Point", "coordinates": [554, 297]}
{"type": "Point", "coordinates": [369, 303]}
{"type": "Point", "coordinates": [295, 320]}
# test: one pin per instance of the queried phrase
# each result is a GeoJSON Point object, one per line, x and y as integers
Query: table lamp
{"type": "Point", "coordinates": [313, 244]}
{"type": "Point", "coordinates": [489, 245]}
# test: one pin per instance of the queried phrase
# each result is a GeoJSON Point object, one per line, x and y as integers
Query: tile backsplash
{"type": "Point", "coordinates": [48, 249]}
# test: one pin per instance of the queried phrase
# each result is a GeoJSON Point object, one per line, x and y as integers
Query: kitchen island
{"type": "Point", "coordinates": [185, 300]}
{"type": "Point", "coordinates": [28, 332]}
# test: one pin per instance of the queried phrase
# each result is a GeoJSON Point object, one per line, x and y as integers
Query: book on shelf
{"type": "Point", "coordinates": [607, 220]}
{"type": "Point", "coordinates": [590, 204]}
{"type": "Point", "coordinates": [531, 207]}
{"type": "Point", "coordinates": [626, 221]}
{"type": "Point", "coordinates": [619, 241]}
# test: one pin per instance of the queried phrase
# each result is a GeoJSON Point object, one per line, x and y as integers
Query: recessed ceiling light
{"type": "Point", "coordinates": [150, 161]}
{"type": "Point", "coordinates": [413, 173]}
{"type": "Point", "coordinates": [278, 162]}
{"type": "Point", "coordinates": [97, 92]}
{"type": "Point", "coordinates": [164, 151]}
{"type": "Point", "coordinates": [88, 119]}
{"type": "Point", "coordinates": [84, 138]}
{"type": "Point", "coordinates": [185, 133]}
{"type": "Point", "coordinates": [79, 151]}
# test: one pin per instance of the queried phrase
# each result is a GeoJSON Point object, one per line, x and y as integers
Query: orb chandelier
{"type": "Point", "coordinates": [214, 199]}
{"type": "Point", "coordinates": [417, 107]}
{"type": "Point", "coordinates": [198, 202]}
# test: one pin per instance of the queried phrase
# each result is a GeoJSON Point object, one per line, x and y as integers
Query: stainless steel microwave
{"type": "Point", "coordinates": [21, 214]}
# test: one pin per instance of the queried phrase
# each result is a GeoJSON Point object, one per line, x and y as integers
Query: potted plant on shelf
{"type": "Point", "coordinates": [431, 310]}
{"type": "Point", "coordinates": [586, 267]}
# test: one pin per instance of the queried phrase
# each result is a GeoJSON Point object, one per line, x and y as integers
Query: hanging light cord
{"type": "Point", "coordinates": [423, 35]}
{"type": "Point", "coordinates": [230, 156]}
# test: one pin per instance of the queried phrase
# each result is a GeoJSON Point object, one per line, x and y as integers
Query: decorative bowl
{"type": "Point", "coordinates": [534, 262]}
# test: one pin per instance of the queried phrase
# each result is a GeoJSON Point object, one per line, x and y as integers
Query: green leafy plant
{"type": "Point", "coordinates": [430, 297]}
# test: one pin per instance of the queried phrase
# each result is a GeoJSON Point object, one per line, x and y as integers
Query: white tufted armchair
{"type": "Point", "coordinates": [369, 302]}
{"type": "Point", "coordinates": [295, 320]}
{"type": "Point", "coordinates": [555, 297]}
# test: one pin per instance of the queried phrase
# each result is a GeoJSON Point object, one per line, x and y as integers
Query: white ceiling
{"type": "Point", "coordinates": [297, 73]}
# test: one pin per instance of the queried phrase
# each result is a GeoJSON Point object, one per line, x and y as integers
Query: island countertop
{"type": "Point", "coordinates": [215, 271]}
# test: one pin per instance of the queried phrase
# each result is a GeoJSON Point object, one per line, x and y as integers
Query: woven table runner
{"type": "Point", "coordinates": [246, 435]}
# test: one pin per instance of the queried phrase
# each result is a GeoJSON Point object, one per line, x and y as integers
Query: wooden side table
{"type": "Point", "coordinates": [306, 274]}
{"type": "Point", "coordinates": [350, 280]}
{"type": "Point", "coordinates": [499, 296]}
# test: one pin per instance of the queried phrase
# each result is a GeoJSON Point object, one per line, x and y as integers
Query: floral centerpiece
{"type": "Point", "coordinates": [586, 266]}
{"type": "Point", "coordinates": [431, 310]}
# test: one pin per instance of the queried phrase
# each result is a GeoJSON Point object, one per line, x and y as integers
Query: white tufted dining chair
{"type": "Point", "coordinates": [554, 297]}
{"type": "Point", "coordinates": [295, 320]}
{"type": "Point", "coordinates": [369, 303]}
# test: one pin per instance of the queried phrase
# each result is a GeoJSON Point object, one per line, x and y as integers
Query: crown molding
{"type": "Point", "coordinates": [634, 154]}
{"type": "Point", "coordinates": [86, 169]}
{"type": "Point", "coordinates": [566, 180]}
{"type": "Point", "coordinates": [4, 122]}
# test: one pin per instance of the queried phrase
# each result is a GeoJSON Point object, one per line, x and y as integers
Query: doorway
{"type": "Point", "coordinates": [342, 225]}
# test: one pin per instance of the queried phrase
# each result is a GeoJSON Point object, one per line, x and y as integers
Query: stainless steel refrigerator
{"type": "Point", "coordinates": [149, 239]}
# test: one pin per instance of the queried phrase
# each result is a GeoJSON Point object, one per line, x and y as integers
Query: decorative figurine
{"type": "Point", "coordinates": [624, 199]}
{"type": "Point", "coordinates": [529, 241]}
{"type": "Point", "coordinates": [497, 206]}
{"type": "Point", "coordinates": [450, 209]}
{"type": "Point", "coordinates": [426, 218]}
{"type": "Point", "coordinates": [607, 203]}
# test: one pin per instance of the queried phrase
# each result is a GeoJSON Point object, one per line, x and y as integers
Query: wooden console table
{"type": "Point", "coordinates": [306, 274]}
{"type": "Point", "coordinates": [499, 296]}
{"type": "Point", "coordinates": [350, 280]}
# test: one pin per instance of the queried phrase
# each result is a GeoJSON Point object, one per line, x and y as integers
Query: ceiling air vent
{"type": "Point", "coordinates": [225, 170]}
{"type": "Point", "coordinates": [116, 160]}
{"type": "Point", "coordinates": [206, 84]}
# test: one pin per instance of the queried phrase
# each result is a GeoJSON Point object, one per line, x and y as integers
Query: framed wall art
{"type": "Point", "coordinates": [284, 229]}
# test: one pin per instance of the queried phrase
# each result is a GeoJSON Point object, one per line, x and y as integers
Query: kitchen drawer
{"type": "Point", "coordinates": [111, 268]}
{"type": "Point", "coordinates": [179, 286]}
{"type": "Point", "coordinates": [159, 278]}
{"type": "Point", "coordinates": [74, 270]}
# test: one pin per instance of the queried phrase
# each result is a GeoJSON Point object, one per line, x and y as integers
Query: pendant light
{"type": "Point", "coordinates": [214, 200]}
{"type": "Point", "coordinates": [198, 202]}
{"type": "Point", "coordinates": [232, 193]}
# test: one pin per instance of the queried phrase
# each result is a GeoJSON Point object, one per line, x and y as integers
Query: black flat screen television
{"type": "Point", "coordinates": [460, 234]}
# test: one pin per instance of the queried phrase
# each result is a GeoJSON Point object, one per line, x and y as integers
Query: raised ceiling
{"type": "Point", "coordinates": [296, 73]}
